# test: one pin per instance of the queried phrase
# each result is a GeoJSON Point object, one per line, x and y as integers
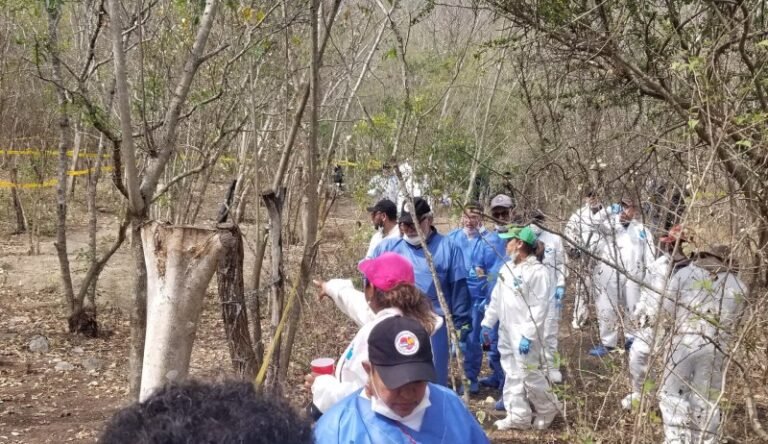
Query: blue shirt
{"type": "Point", "coordinates": [478, 252]}
{"type": "Point", "coordinates": [449, 264]}
{"type": "Point", "coordinates": [446, 420]}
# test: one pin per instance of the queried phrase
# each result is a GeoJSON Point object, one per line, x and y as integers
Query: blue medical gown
{"type": "Point", "coordinates": [449, 264]}
{"type": "Point", "coordinates": [352, 421]}
{"type": "Point", "coordinates": [476, 252]}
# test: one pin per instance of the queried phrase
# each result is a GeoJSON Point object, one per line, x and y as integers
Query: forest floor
{"type": "Point", "coordinates": [68, 393]}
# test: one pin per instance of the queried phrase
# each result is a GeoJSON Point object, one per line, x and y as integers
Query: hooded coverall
{"type": "Point", "coordinates": [705, 307]}
{"type": "Point", "coordinates": [554, 261]}
{"type": "Point", "coordinates": [630, 248]}
{"type": "Point", "coordinates": [582, 229]}
{"type": "Point", "coordinates": [519, 302]}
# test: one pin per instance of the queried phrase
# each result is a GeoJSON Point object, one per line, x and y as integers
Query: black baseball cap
{"type": "Point", "coordinates": [422, 208]}
{"type": "Point", "coordinates": [400, 351]}
{"type": "Point", "coordinates": [385, 206]}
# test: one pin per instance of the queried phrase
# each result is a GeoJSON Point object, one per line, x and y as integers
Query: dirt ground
{"type": "Point", "coordinates": [40, 403]}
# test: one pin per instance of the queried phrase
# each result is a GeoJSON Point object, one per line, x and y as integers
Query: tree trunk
{"type": "Point", "coordinates": [232, 299]}
{"type": "Point", "coordinates": [54, 14]}
{"type": "Point", "coordinates": [75, 155]}
{"type": "Point", "coordinates": [21, 220]}
{"type": "Point", "coordinates": [311, 201]}
{"type": "Point", "coordinates": [274, 203]}
{"type": "Point", "coordinates": [180, 263]}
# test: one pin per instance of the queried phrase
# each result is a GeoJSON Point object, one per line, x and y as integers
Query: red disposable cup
{"type": "Point", "coordinates": [322, 366]}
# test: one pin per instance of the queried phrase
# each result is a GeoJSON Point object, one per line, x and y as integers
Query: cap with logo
{"type": "Point", "coordinates": [422, 208]}
{"type": "Point", "coordinates": [400, 351]}
{"type": "Point", "coordinates": [387, 271]}
{"type": "Point", "coordinates": [525, 234]}
{"type": "Point", "coordinates": [385, 206]}
{"type": "Point", "coordinates": [502, 200]}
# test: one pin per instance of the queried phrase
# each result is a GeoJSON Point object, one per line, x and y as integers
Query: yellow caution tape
{"type": "Point", "coordinates": [70, 153]}
{"type": "Point", "coordinates": [50, 182]}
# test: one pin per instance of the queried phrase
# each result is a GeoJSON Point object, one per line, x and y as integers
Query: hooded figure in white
{"type": "Point", "coordinates": [624, 243]}
{"type": "Point", "coordinates": [582, 229]}
{"type": "Point", "coordinates": [705, 299]}
{"type": "Point", "coordinates": [554, 260]}
{"type": "Point", "coordinates": [651, 330]}
{"type": "Point", "coordinates": [519, 302]}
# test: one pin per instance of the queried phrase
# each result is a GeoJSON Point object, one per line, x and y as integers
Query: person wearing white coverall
{"type": "Point", "coordinates": [624, 243]}
{"type": "Point", "coordinates": [554, 260]}
{"type": "Point", "coordinates": [649, 335]}
{"type": "Point", "coordinates": [582, 229]}
{"type": "Point", "coordinates": [706, 300]}
{"type": "Point", "coordinates": [383, 274]}
{"type": "Point", "coordinates": [519, 302]}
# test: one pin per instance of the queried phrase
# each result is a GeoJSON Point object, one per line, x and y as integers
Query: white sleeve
{"type": "Point", "coordinates": [327, 391]}
{"type": "Point", "coordinates": [491, 316]}
{"type": "Point", "coordinates": [350, 301]}
{"type": "Point", "coordinates": [375, 240]}
{"type": "Point", "coordinates": [560, 268]}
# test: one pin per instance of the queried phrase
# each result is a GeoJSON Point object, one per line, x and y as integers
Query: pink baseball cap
{"type": "Point", "coordinates": [387, 271]}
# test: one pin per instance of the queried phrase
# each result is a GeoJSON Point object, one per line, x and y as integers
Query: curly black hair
{"type": "Point", "coordinates": [197, 412]}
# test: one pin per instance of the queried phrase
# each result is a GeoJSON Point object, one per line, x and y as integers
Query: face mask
{"type": "Point", "coordinates": [536, 229]}
{"type": "Point", "coordinates": [378, 406]}
{"type": "Point", "coordinates": [412, 240]}
{"type": "Point", "coordinates": [471, 232]}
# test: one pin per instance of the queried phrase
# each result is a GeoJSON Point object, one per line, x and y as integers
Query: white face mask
{"type": "Point", "coordinates": [536, 229]}
{"type": "Point", "coordinates": [471, 232]}
{"type": "Point", "coordinates": [378, 406]}
{"type": "Point", "coordinates": [412, 240]}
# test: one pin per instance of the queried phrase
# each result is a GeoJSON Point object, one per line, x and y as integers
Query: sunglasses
{"type": "Point", "coordinates": [500, 214]}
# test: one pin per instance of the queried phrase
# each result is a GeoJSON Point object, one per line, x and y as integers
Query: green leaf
{"type": "Point", "coordinates": [762, 44]}
{"type": "Point", "coordinates": [390, 54]}
{"type": "Point", "coordinates": [692, 123]}
{"type": "Point", "coordinates": [744, 143]}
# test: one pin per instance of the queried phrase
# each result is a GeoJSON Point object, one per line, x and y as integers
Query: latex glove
{"type": "Point", "coordinates": [615, 208]}
{"type": "Point", "coordinates": [486, 334]}
{"type": "Point", "coordinates": [525, 346]}
{"type": "Point", "coordinates": [559, 295]}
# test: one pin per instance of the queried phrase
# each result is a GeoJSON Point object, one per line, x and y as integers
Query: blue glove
{"type": "Point", "coordinates": [615, 208]}
{"type": "Point", "coordinates": [485, 336]}
{"type": "Point", "coordinates": [559, 295]}
{"type": "Point", "coordinates": [525, 346]}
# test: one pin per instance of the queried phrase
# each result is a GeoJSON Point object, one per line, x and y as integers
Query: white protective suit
{"type": "Point", "coordinates": [631, 249]}
{"type": "Point", "coordinates": [379, 236]}
{"type": "Point", "coordinates": [647, 336]}
{"type": "Point", "coordinates": [350, 375]}
{"type": "Point", "coordinates": [705, 307]}
{"type": "Point", "coordinates": [582, 229]}
{"type": "Point", "coordinates": [554, 261]}
{"type": "Point", "coordinates": [519, 302]}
